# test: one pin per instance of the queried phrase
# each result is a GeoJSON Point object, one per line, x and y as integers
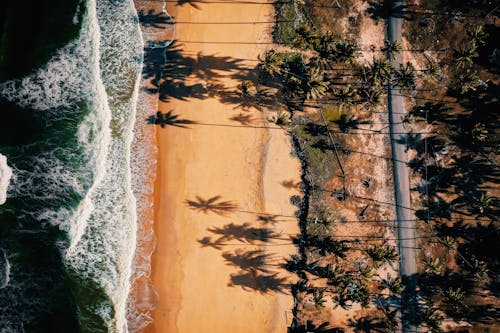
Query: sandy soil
{"type": "Point", "coordinates": [223, 219]}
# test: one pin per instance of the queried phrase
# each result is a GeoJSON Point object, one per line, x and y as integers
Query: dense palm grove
{"type": "Point", "coordinates": [450, 81]}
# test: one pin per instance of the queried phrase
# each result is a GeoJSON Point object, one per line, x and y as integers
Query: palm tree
{"type": "Point", "coordinates": [345, 52]}
{"type": "Point", "coordinates": [343, 97]}
{"type": "Point", "coordinates": [478, 35]}
{"type": "Point", "coordinates": [342, 297]}
{"type": "Point", "coordinates": [281, 119]}
{"type": "Point", "coordinates": [433, 265]}
{"type": "Point", "coordinates": [395, 285]}
{"type": "Point", "coordinates": [465, 54]}
{"type": "Point", "coordinates": [337, 276]}
{"type": "Point", "coordinates": [271, 63]}
{"type": "Point", "coordinates": [479, 269]}
{"type": "Point", "coordinates": [319, 298]}
{"type": "Point", "coordinates": [433, 320]}
{"type": "Point", "coordinates": [293, 86]}
{"type": "Point", "coordinates": [434, 71]}
{"type": "Point", "coordinates": [483, 203]}
{"type": "Point", "coordinates": [361, 294]}
{"type": "Point", "coordinates": [247, 89]}
{"type": "Point", "coordinates": [380, 254]}
{"type": "Point", "coordinates": [391, 48]}
{"type": "Point", "coordinates": [365, 271]}
{"type": "Point", "coordinates": [327, 45]}
{"type": "Point", "coordinates": [468, 81]}
{"type": "Point", "coordinates": [371, 95]}
{"type": "Point", "coordinates": [380, 71]}
{"type": "Point", "coordinates": [456, 297]}
{"type": "Point", "coordinates": [405, 76]}
{"type": "Point", "coordinates": [449, 242]}
{"type": "Point", "coordinates": [315, 85]}
{"type": "Point", "coordinates": [390, 320]}
{"type": "Point", "coordinates": [479, 133]}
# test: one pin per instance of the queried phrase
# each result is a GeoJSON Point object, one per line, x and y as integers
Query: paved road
{"type": "Point", "coordinates": [404, 214]}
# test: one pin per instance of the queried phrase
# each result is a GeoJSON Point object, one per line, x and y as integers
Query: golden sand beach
{"type": "Point", "coordinates": [223, 217]}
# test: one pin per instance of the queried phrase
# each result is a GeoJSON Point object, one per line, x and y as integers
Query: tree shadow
{"type": "Point", "coordinates": [192, 3]}
{"type": "Point", "coordinates": [152, 66]}
{"type": "Point", "coordinates": [169, 119]}
{"type": "Point", "coordinates": [253, 260]}
{"type": "Point", "coordinates": [368, 324]}
{"type": "Point", "coordinates": [150, 19]}
{"type": "Point", "coordinates": [208, 242]}
{"type": "Point", "coordinates": [311, 327]}
{"type": "Point", "coordinates": [256, 281]}
{"type": "Point", "coordinates": [244, 233]}
{"type": "Point", "coordinates": [384, 9]}
{"type": "Point", "coordinates": [346, 123]}
{"type": "Point", "coordinates": [291, 184]}
{"type": "Point", "coordinates": [268, 219]}
{"type": "Point", "coordinates": [212, 205]}
{"type": "Point", "coordinates": [179, 67]}
{"type": "Point", "coordinates": [433, 112]}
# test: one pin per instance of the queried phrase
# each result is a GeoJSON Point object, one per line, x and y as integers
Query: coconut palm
{"type": "Point", "coordinates": [468, 81]}
{"type": "Point", "coordinates": [433, 265]}
{"type": "Point", "coordinates": [394, 285]}
{"type": "Point", "coordinates": [449, 242]}
{"type": "Point", "coordinates": [456, 297]}
{"type": "Point", "coordinates": [343, 97]}
{"type": "Point", "coordinates": [294, 86]}
{"type": "Point", "coordinates": [479, 269]}
{"type": "Point", "coordinates": [326, 45]}
{"type": "Point", "coordinates": [391, 48]}
{"type": "Point", "coordinates": [478, 35]}
{"type": "Point", "coordinates": [433, 320]}
{"type": "Point", "coordinates": [382, 253]}
{"type": "Point", "coordinates": [479, 133]}
{"type": "Point", "coordinates": [342, 297]}
{"type": "Point", "coordinates": [271, 63]}
{"type": "Point", "coordinates": [315, 85]}
{"type": "Point", "coordinates": [371, 95]}
{"type": "Point", "coordinates": [483, 203]}
{"type": "Point", "coordinates": [390, 320]}
{"type": "Point", "coordinates": [465, 54]}
{"type": "Point", "coordinates": [304, 36]}
{"type": "Point", "coordinates": [345, 52]}
{"type": "Point", "coordinates": [337, 276]}
{"type": "Point", "coordinates": [434, 71]}
{"type": "Point", "coordinates": [361, 293]}
{"type": "Point", "coordinates": [319, 298]}
{"type": "Point", "coordinates": [380, 71]}
{"type": "Point", "coordinates": [405, 76]}
{"type": "Point", "coordinates": [247, 89]}
{"type": "Point", "coordinates": [282, 118]}
{"type": "Point", "coordinates": [365, 271]}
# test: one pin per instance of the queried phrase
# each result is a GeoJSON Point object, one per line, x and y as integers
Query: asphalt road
{"type": "Point", "coordinates": [404, 214]}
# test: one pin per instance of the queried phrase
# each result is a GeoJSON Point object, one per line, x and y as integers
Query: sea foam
{"type": "Point", "coordinates": [5, 176]}
{"type": "Point", "coordinates": [101, 67]}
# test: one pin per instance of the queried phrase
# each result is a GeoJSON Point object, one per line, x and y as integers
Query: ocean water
{"type": "Point", "coordinates": [68, 224]}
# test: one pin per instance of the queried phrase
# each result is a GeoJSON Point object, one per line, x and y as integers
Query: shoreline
{"type": "Point", "coordinates": [194, 167]}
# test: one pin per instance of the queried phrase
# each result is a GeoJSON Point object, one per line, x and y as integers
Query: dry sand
{"type": "Point", "coordinates": [213, 268]}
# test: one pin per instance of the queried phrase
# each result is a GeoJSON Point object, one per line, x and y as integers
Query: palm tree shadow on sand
{"type": "Point", "coordinates": [253, 260]}
{"type": "Point", "coordinates": [212, 205]}
{"type": "Point", "coordinates": [244, 233]}
{"type": "Point", "coordinates": [256, 281]}
{"type": "Point", "coordinates": [169, 119]}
